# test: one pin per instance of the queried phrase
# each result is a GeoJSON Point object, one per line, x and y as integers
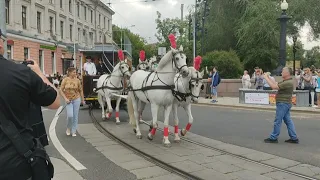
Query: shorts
{"type": "Point", "coordinates": [214, 91]}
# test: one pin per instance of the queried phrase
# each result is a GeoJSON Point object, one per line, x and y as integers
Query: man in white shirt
{"type": "Point", "coordinates": [89, 67]}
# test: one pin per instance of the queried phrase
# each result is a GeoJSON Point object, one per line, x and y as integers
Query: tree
{"type": "Point", "coordinates": [138, 43]}
{"type": "Point", "coordinates": [312, 57]}
{"type": "Point", "coordinates": [250, 27]}
{"type": "Point", "coordinates": [227, 62]}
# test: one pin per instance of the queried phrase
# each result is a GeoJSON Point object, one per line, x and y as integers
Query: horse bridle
{"type": "Point", "coordinates": [123, 73]}
{"type": "Point", "coordinates": [147, 66]}
{"type": "Point", "coordinates": [186, 94]}
{"type": "Point", "coordinates": [174, 60]}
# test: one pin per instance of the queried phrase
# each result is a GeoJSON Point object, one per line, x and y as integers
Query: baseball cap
{"type": "Point", "coordinates": [2, 36]}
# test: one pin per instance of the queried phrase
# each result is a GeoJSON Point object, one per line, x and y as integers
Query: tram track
{"type": "Point", "coordinates": [237, 156]}
{"type": "Point", "coordinates": [180, 172]}
{"type": "Point", "coordinates": [140, 153]}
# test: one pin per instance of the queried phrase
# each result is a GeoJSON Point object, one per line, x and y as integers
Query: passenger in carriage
{"type": "Point", "coordinates": [89, 67]}
{"type": "Point", "coordinates": [101, 68]}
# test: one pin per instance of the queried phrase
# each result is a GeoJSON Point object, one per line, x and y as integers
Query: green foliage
{"type": "Point", "coordinates": [227, 63]}
{"type": "Point", "coordinates": [138, 43]}
{"type": "Point", "coordinates": [251, 28]}
{"type": "Point", "coordinates": [312, 57]}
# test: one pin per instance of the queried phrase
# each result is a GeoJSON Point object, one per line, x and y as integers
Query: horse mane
{"type": "Point", "coordinates": [164, 60]}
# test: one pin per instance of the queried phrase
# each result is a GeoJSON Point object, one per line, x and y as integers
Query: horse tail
{"type": "Point", "coordinates": [131, 110]}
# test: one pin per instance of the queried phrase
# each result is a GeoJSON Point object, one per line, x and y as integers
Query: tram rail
{"type": "Point", "coordinates": [237, 156]}
{"type": "Point", "coordinates": [180, 172]}
{"type": "Point", "coordinates": [140, 153]}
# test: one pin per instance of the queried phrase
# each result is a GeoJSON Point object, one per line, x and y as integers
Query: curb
{"type": "Point", "coordinates": [259, 108]}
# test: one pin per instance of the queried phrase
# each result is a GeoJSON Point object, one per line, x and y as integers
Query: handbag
{"type": "Point", "coordinates": [41, 165]}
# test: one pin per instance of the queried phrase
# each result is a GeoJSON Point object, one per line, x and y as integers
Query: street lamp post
{"type": "Point", "coordinates": [294, 50]}
{"type": "Point", "coordinates": [283, 35]}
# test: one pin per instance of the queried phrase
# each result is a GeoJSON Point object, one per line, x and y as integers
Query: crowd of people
{"type": "Point", "coordinates": [306, 79]}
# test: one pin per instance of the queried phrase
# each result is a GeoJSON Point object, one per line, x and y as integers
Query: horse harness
{"type": "Point", "coordinates": [165, 86]}
{"type": "Point", "coordinates": [183, 96]}
{"type": "Point", "coordinates": [143, 63]}
{"type": "Point", "coordinates": [114, 87]}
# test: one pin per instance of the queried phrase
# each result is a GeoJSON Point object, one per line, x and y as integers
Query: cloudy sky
{"type": "Point", "coordinates": [142, 14]}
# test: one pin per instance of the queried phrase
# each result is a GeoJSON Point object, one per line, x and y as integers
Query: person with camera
{"type": "Point", "coordinates": [22, 157]}
{"type": "Point", "coordinates": [283, 107]}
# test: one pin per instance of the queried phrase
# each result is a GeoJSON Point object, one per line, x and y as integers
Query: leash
{"type": "Point", "coordinates": [62, 109]}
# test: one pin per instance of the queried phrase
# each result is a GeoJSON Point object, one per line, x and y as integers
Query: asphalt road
{"type": "Point", "coordinates": [98, 166]}
{"type": "Point", "coordinates": [248, 128]}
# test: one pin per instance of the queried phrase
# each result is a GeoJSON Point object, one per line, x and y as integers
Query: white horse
{"type": "Point", "coordinates": [156, 88]}
{"type": "Point", "coordinates": [109, 84]}
{"type": "Point", "coordinates": [153, 63]}
{"type": "Point", "coordinates": [187, 90]}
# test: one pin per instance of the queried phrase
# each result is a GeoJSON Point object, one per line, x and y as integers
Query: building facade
{"type": "Point", "coordinates": [48, 30]}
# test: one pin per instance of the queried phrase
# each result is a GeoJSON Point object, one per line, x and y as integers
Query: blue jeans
{"type": "Point", "coordinates": [72, 114]}
{"type": "Point", "coordinates": [283, 113]}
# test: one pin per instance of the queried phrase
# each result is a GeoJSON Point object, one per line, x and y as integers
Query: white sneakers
{"type": "Point", "coordinates": [69, 133]}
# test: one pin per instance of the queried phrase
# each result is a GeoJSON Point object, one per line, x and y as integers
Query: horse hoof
{"type": "Point", "coordinates": [135, 131]}
{"type": "Point", "coordinates": [182, 132]}
{"type": "Point", "coordinates": [177, 141]}
{"type": "Point", "coordinates": [139, 136]}
{"type": "Point", "coordinates": [150, 138]}
{"type": "Point", "coordinates": [118, 123]}
{"type": "Point", "coordinates": [167, 144]}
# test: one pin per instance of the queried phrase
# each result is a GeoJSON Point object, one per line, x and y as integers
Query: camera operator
{"type": "Point", "coordinates": [21, 155]}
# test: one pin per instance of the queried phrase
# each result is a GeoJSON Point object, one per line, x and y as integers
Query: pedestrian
{"type": "Point", "coordinates": [307, 81]}
{"type": "Point", "coordinates": [21, 85]}
{"type": "Point", "coordinates": [246, 81]}
{"type": "Point", "coordinates": [266, 86]}
{"type": "Point", "coordinates": [71, 91]}
{"type": "Point", "coordinates": [283, 106]}
{"type": "Point", "coordinates": [258, 82]}
{"type": "Point", "coordinates": [215, 81]}
{"type": "Point", "coordinates": [89, 67]}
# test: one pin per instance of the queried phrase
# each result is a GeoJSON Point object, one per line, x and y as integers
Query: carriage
{"type": "Point", "coordinates": [89, 83]}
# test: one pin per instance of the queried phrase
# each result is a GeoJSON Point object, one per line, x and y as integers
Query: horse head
{"type": "Point", "coordinates": [143, 63]}
{"type": "Point", "coordinates": [196, 83]}
{"type": "Point", "coordinates": [122, 68]}
{"type": "Point", "coordinates": [177, 58]}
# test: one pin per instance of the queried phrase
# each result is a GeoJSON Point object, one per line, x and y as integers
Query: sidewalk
{"type": "Point", "coordinates": [62, 171]}
{"type": "Point", "coordinates": [234, 102]}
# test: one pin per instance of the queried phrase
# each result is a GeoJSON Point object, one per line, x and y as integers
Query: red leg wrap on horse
{"type": "Point", "coordinates": [176, 129]}
{"type": "Point", "coordinates": [117, 114]}
{"type": "Point", "coordinates": [166, 132]}
{"type": "Point", "coordinates": [153, 131]}
{"type": "Point", "coordinates": [109, 114]}
{"type": "Point", "coordinates": [188, 126]}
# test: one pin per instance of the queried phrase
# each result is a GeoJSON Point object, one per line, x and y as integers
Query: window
{"type": "Point", "coordinates": [104, 22]}
{"type": "Point", "coordinates": [24, 17]}
{"type": "Point", "coordinates": [91, 38]}
{"type": "Point", "coordinates": [78, 9]}
{"type": "Point", "coordinates": [71, 28]}
{"type": "Point", "coordinates": [53, 62]}
{"type": "Point", "coordinates": [26, 53]}
{"type": "Point", "coordinates": [51, 1]}
{"type": "Point", "coordinates": [9, 51]}
{"type": "Point", "coordinates": [61, 29]}
{"type": "Point", "coordinates": [109, 24]}
{"type": "Point", "coordinates": [91, 15]}
{"type": "Point", "coordinates": [39, 22]}
{"type": "Point", "coordinates": [78, 34]}
{"type": "Point", "coordinates": [85, 13]}
{"type": "Point", "coordinates": [99, 20]}
{"type": "Point", "coordinates": [41, 59]}
{"type": "Point", "coordinates": [7, 11]}
{"type": "Point", "coordinates": [84, 36]}
{"type": "Point", "coordinates": [70, 6]}
{"type": "Point", "coordinates": [51, 25]}
{"type": "Point", "coordinates": [61, 6]}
